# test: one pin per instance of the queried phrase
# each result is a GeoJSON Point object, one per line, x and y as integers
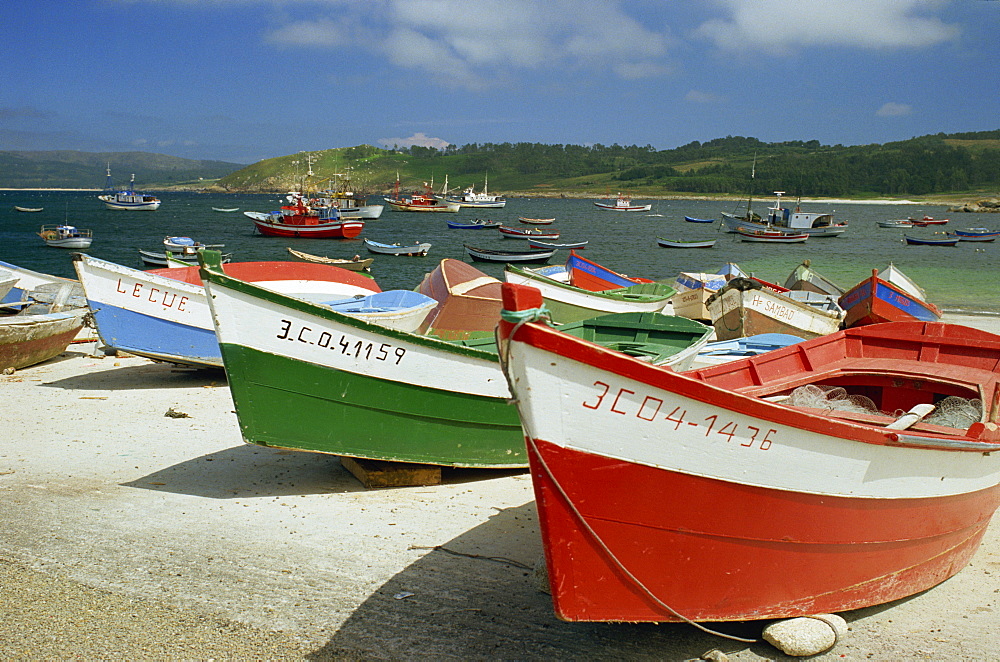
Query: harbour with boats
{"type": "Point", "coordinates": [758, 394]}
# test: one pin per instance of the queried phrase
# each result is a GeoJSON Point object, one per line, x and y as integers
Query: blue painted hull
{"type": "Point", "coordinates": [156, 338]}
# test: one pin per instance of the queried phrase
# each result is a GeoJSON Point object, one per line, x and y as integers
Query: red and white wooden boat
{"type": "Point", "coordinates": [707, 496]}
{"type": "Point", "coordinates": [508, 232]}
{"type": "Point", "coordinates": [929, 220]}
{"type": "Point", "coordinates": [326, 225]}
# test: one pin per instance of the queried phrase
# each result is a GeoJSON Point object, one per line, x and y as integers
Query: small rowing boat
{"type": "Point", "coordinates": [675, 243]}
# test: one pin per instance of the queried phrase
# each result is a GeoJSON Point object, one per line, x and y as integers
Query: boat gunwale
{"type": "Point", "coordinates": [697, 388]}
{"type": "Point", "coordinates": [210, 274]}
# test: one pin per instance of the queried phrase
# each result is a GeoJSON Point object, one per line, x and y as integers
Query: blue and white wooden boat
{"type": "Point", "coordinates": [691, 219]}
{"type": "Point", "coordinates": [404, 310]}
{"type": "Point", "coordinates": [127, 198]}
{"type": "Point", "coordinates": [946, 240]}
{"type": "Point", "coordinates": [977, 234]}
{"type": "Point", "coordinates": [477, 224]}
{"type": "Point", "coordinates": [31, 285]}
{"type": "Point", "coordinates": [416, 249]}
{"type": "Point", "coordinates": [163, 315]}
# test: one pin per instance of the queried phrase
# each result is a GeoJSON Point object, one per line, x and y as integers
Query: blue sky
{"type": "Point", "coordinates": [244, 80]}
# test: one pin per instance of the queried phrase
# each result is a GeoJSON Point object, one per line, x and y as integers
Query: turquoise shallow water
{"type": "Point", "coordinates": [960, 279]}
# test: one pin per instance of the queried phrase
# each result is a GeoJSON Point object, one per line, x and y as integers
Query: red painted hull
{"type": "Point", "coordinates": [340, 229]}
{"type": "Point", "coordinates": [716, 551]}
{"type": "Point", "coordinates": [468, 301]}
{"type": "Point", "coordinates": [262, 272]}
{"type": "Point", "coordinates": [875, 301]}
{"type": "Point", "coordinates": [651, 513]}
{"type": "Point", "coordinates": [26, 345]}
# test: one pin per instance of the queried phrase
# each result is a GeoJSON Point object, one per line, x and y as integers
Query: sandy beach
{"type": "Point", "coordinates": [138, 525]}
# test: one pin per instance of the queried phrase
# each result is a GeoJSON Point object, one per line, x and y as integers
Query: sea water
{"type": "Point", "coordinates": [961, 279]}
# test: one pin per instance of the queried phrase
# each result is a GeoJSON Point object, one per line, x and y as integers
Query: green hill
{"type": "Point", "coordinates": [72, 169]}
{"type": "Point", "coordinates": [942, 165]}
{"type": "Point", "coordinates": [956, 164]}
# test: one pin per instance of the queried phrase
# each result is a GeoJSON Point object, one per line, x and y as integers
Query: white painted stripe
{"type": "Point", "coordinates": [582, 407]}
{"type": "Point", "coordinates": [282, 331]}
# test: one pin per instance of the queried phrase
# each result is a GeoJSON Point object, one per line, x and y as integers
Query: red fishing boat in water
{"type": "Point", "coordinates": [299, 220]}
{"type": "Point", "coordinates": [591, 276]}
{"type": "Point", "coordinates": [781, 485]}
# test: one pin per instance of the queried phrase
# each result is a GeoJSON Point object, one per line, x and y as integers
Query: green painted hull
{"type": "Point", "coordinates": [331, 411]}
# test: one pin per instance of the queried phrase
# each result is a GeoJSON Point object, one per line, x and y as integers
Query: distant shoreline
{"type": "Point", "coordinates": [569, 195]}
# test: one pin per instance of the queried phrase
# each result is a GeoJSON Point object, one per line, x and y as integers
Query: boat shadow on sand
{"type": "Point", "coordinates": [478, 596]}
{"type": "Point", "coordinates": [250, 471]}
{"type": "Point", "coordinates": [147, 375]}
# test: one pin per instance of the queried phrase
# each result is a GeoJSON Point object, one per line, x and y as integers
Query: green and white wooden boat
{"type": "Point", "coordinates": [568, 303]}
{"type": "Point", "coordinates": [306, 377]}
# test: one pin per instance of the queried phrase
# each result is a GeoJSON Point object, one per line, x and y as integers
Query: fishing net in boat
{"type": "Point", "coordinates": [830, 397]}
{"type": "Point", "coordinates": [955, 412]}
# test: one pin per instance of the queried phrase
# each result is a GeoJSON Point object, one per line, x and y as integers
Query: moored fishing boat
{"type": "Point", "coordinates": [420, 202]}
{"type": "Point", "coordinates": [127, 198]}
{"type": "Point", "coordinates": [163, 315]}
{"type": "Point", "coordinates": [744, 308]}
{"type": "Point", "coordinates": [477, 224]}
{"type": "Point", "coordinates": [328, 224]}
{"type": "Point", "coordinates": [929, 220]}
{"type": "Point", "coordinates": [494, 255]}
{"type": "Point", "coordinates": [66, 236]}
{"type": "Point", "coordinates": [570, 245]}
{"type": "Point", "coordinates": [814, 224]}
{"type": "Point", "coordinates": [710, 450]}
{"type": "Point", "coordinates": [946, 240]}
{"type": "Point", "coordinates": [568, 303]}
{"type": "Point", "coordinates": [622, 203]}
{"type": "Point", "coordinates": [535, 221]}
{"type": "Point", "coordinates": [887, 296]}
{"type": "Point", "coordinates": [508, 232]}
{"type": "Point", "coordinates": [354, 264]}
{"type": "Point", "coordinates": [685, 243]}
{"type": "Point", "coordinates": [481, 200]}
{"type": "Point", "coordinates": [770, 236]}
{"type": "Point", "coordinates": [226, 209]}
{"type": "Point", "coordinates": [896, 223]}
{"type": "Point", "coordinates": [416, 249]}
{"type": "Point", "coordinates": [977, 234]}
{"type": "Point", "coordinates": [691, 219]}
{"type": "Point", "coordinates": [28, 209]}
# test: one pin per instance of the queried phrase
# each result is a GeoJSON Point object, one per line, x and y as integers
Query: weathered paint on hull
{"type": "Point", "coordinates": [24, 343]}
{"type": "Point", "coordinates": [738, 314]}
{"type": "Point", "coordinates": [358, 416]}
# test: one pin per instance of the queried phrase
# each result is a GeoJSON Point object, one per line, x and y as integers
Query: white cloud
{"type": "Point", "coordinates": [780, 26]}
{"type": "Point", "coordinates": [419, 138]}
{"type": "Point", "coordinates": [474, 45]}
{"type": "Point", "coordinates": [892, 109]}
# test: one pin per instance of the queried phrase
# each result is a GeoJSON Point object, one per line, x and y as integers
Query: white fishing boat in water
{"type": "Point", "coordinates": [127, 198]}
